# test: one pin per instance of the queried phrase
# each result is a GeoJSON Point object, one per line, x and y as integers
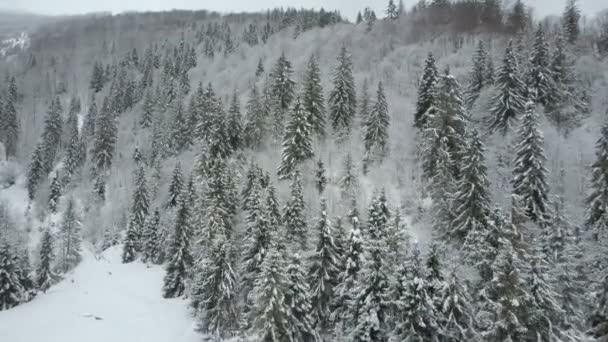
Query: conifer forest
{"type": "Point", "coordinates": [423, 171]}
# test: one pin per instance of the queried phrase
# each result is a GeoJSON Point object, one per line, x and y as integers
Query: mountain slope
{"type": "Point", "coordinates": [102, 300]}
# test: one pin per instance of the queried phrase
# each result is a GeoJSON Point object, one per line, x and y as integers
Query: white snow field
{"type": "Point", "coordinates": [102, 300]}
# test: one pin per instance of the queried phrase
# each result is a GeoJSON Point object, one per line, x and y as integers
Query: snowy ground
{"type": "Point", "coordinates": [103, 300]}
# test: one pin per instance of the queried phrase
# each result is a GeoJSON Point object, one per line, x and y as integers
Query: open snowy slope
{"type": "Point", "coordinates": [102, 300]}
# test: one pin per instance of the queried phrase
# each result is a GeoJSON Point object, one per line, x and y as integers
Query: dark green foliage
{"type": "Point", "coordinates": [342, 97]}
{"type": "Point", "coordinates": [297, 141]}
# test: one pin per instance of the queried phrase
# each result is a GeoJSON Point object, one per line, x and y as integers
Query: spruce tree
{"type": "Point", "coordinates": [51, 135]}
{"type": "Point", "coordinates": [376, 129]}
{"type": "Point", "coordinates": [259, 70]}
{"type": "Point", "coordinates": [313, 100]}
{"type": "Point", "coordinates": [35, 171]}
{"type": "Point", "coordinates": [529, 175]}
{"type": "Point", "coordinates": [456, 320]}
{"type": "Point", "coordinates": [234, 124]}
{"type": "Point", "coordinates": [570, 19]}
{"type": "Point", "coordinates": [324, 270]}
{"type": "Point", "coordinates": [283, 88]}
{"type": "Point", "coordinates": [320, 178]}
{"type": "Point", "coordinates": [371, 294]}
{"type": "Point", "coordinates": [478, 76]}
{"type": "Point", "coordinates": [99, 188]}
{"type": "Point", "coordinates": [180, 257]}
{"type": "Point", "coordinates": [147, 109]}
{"type": "Point", "coordinates": [298, 298]}
{"type": "Point", "coordinates": [342, 97]}
{"type": "Point", "coordinates": [597, 201]}
{"type": "Point", "coordinates": [427, 93]}
{"type": "Point", "coordinates": [55, 193]}
{"type": "Point", "coordinates": [294, 214]}
{"type": "Point", "coordinates": [140, 204]}
{"type": "Point", "coordinates": [152, 239]}
{"type": "Point", "coordinates": [442, 187]}
{"type": "Point", "coordinates": [11, 290]}
{"type": "Point", "coordinates": [255, 120]}
{"type": "Point", "coordinates": [175, 187]}
{"type": "Point", "coordinates": [540, 78]}
{"type": "Point", "coordinates": [44, 273]}
{"type": "Point", "coordinates": [105, 139]}
{"type": "Point", "coordinates": [70, 238]}
{"type": "Point", "coordinates": [391, 10]}
{"type": "Point", "coordinates": [97, 77]}
{"type": "Point", "coordinates": [9, 127]}
{"type": "Point", "coordinates": [364, 101]}
{"type": "Point", "coordinates": [88, 127]}
{"type": "Point", "coordinates": [349, 182]}
{"type": "Point", "coordinates": [297, 141]}
{"type": "Point", "coordinates": [25, 276]}
{"type": "Point", "coordinates": [599, 317]}
{"type": "Point", "coordinates": [471, 206]}
{"type": "Point", "coordinates": [218, 304]}
{"type": "Point", "coordinates": [180, 130]}
{"type": "Point", "coordinates": [508, 103]}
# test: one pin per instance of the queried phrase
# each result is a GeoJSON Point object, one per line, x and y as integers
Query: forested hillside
{"type": "Point", "coordinates": [433, 173]}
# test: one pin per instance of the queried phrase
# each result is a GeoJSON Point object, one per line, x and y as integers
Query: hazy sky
{"type": "Point", "coordinates": [347, 7]}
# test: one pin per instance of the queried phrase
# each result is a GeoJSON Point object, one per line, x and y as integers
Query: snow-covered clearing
{"type": "Point", "coordinates": [102, 300]}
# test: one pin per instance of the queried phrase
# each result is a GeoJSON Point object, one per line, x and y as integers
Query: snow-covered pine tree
{"type": "Point", "coordinates": [272, 315]}
{"type": "Point", "coordinates": [320, 178]}
{"type": "Point", "coordinates": [283, 89]}
{"type": "Point", "coordinates": [75, 152]}
{"type": "Point", "coordinates": [348, 277]}
{"type": "Point", "coordinates": [342, 97]}
{"type": "Point", "coordinates": [259, 70]}
{"type": "Point", "coordinates": [313, 100]}
{"type": "Point", "coordinates": [88, 126]}
{"type": "Point", "coordinates": [391, 10]}
{"type": "Point", "coordinates": [25, 276]}
{"type": "Point", "coordinates": [376, 127]}
{"type": "Point", "coordinates": [349, 182]}
{"type": "Point", "coordinates": [9, 127]}
{"type": "Point", "coordinates": [35, 170]}
{"type": "Point", "coordinates": [54, 193]}
{"type": "Point", "coordinates": [294, 215]}
{"type": "Point", "coordinates": [427, 93]}
{"type": "Point", "coordinates": [218, 311]}
{"type": "Point", "coordinates": [255, 120]}
{"type": "Point", "coordinates": [478, 76]}
{"type": "Point", "coordinates": [234, 123]}
{"type": "Point", "coordinates": [540, 78]}
{"type": "Point", "coordinates": [180, 138]}
{"type": "Point", "coordinates": [140, 204]}
{"type": "Point", "coordinates": [596, 216]}
{"type": "Point", "coordinates": [471, 205]}
{"type": "Point", "coordinates": [99, 188]}
{"type": "Point", "coordinates": [69, 238]}
{"type": "Point", "coordinates": [508, 104]}
{"type": "Point", "coordinates": [529, 174]}
{"type": "Point", "coordinates": [443, 189]}
{"type": "Point", "coordinates": [97, 77]}
{"type": "Point", "coordinates": [298, 298]}
{"type": "Point", "coordinates": [455, 311]}
{"type": "Point", "coordinates": [11, 290]}
{"type": "Point", "coordinates": [152, 239]}
{"type": "Point", "coordinates": [417, 319]}
{"type": "Point", "coordinates": [599, 317]}
{"type": "Point", "coordinates": [324, 269]}
{"type": "Point", "coordinates": [175, 187]}
{"type": "Point", "coordinates": [570, 19]}
{"type": "Point", "coordinates": [179, 256]}
{"type": "Point", "coordinates": [51, 135]}
{"type": "Point", "coordinates": [371, 294]}
{"type": "Point", "coordinates": [297, 141]}
{"type": "Point", "coordinates": [363, 101]}
{"type": "Point", "coordinates": [105, 139]}
{"type": "Point", "coordinates": [44, 273]}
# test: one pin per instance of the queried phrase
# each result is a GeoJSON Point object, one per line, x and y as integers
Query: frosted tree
{"type": "Point", "coordinates": [427, 93]}
{"type": "Point", "coordinates": [342, 97]}
{"type": "Point", "coordinates": [456, 314]}
{"type": "Point", "coordinates": [599, 317]}
{"type": "Point", "coordinates": [294, 214]}
{"type": "Point", "coordinates": [51, 135]}
{"type": "Point", "coordinates": [11, 290]}
{"type": "Point", "coordinates": [179, 255]}
{"type": "Point", "coordinates": [99, 188]}
{"type": "Point", "coordinates": [45, 277]}
{"type": "Point", "coordinates": [9, 126]}
{"type": "Point", "coordinates": [478, 78]}
{"type": "Point", "coordinates": [271, 312]}
{"type": "Point", "coordinates": [443, 189]}
{"type": "Point", "coordinates": [324, 269]}
{"type": "Point", "coordinates": [376, 127]}
{"type": "Point", "coordinates": [370, 18]}
{"type": "Point", "coordinates": [180, 129]}
{"type": "Point", "coordinates": [371, 294]}
{"type": "Point", "coordinates": [88, 126]}
{"type": "Point", "coordinates": [152, 239]}
{"type": "Point", "coordinates": [348, 277]}
{"type": "Point", "coordinates": [35, 170]}
{"type": "Point", "coordinates": [218, 310]}
{"type": "Point", "coordinates": [471, 206]}
{"type": "Point", "coordinates": [105, 139]}
{"type": "Point", "coordinates": [140, 203]}
{"type": "Point", "coordinates": [97, 77]}
{"type": "Point", "coordinates": [255, 120]}
{"type": "Point", "coordinates": [570, 19]}
{"type": "Point", "coordinates": [392, 11]}
{"type": "Point", "coordinates": [176, 186]}
{"type": "Point", "coordinates": [349, 182]}
{"type": "Point", "coordinates": [313, 100]}
{"type": "Point", "coordinates": [597, 200]}
{"type": "Point", "coordinates": [234, 124]}
{"type": "Point", "coordinates": [320, 177]}
{"type": "Point", "coordinates": [298, 298]}
{"type": "Point", "coordinates": [70, 238]}
{"type": "Point", "coordinates": [283, 88]}
{"type": "Point", "coordinates": [417, 317]}
{"type": "Point", "coordinates": [364, 101]}
{"type": "Point", "coordinates": [75, 152]}
{"type": "Point", "coordinates": [54, 193]}
{"type": "Point", "coordinates": [529, 174]}
{"type": "Point", "coordinates": [540, 78]}
{"type": "Point", "coordinates": [259, 70]}
{"type": "Point", "coordinates": [297, 141]}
